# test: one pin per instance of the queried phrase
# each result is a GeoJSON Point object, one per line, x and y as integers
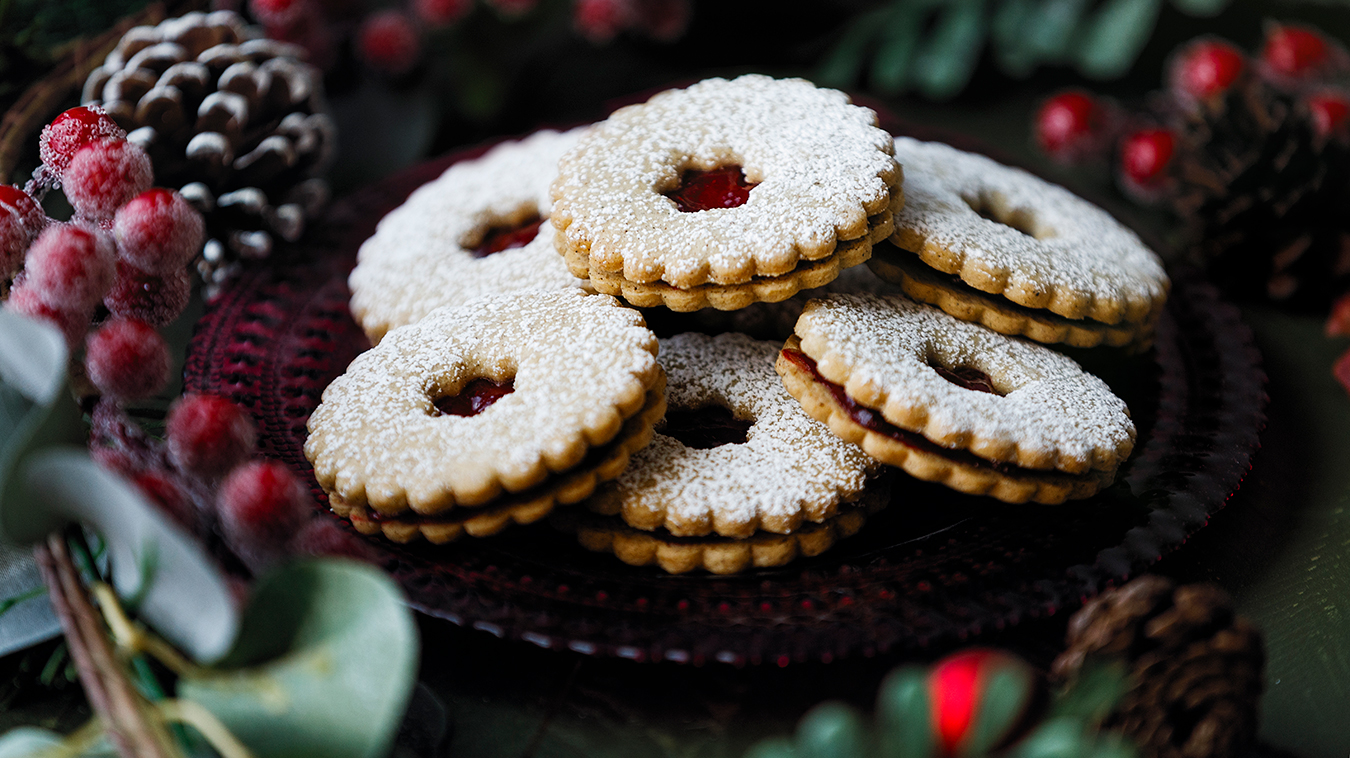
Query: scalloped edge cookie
{"type": "Point", "coordinates": [1049, 249]}
{"type": "Point", "coordinates": [821, 167]}
{"type": "Point", "coordinates": [564, 489]}
{"type": "Point", "coordinates": [721, 555]}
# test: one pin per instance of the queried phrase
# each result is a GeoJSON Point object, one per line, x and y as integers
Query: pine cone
{"type": "Point", "coordinates": [237, 122]}
{"type": "Point", "coordinates": [1264, 196]}
{"type": "Point", "coordinates": [1197, 668]}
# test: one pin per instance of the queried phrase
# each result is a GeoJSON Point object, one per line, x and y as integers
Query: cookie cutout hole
{"type": "Point", "coordinates": [500, 238]}
{"type": "Point", "coordinates": [707, 427]}
{"type": "Point", "coordinates": [475, 397]}
{"type": "Point", "coordinates": [722, 187]}
{"type": "Point", "coordinates": [966, 377]}
{"type": "Point", "coordinates": [1020, 219]}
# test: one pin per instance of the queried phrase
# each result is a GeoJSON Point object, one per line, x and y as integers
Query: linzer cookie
{"type": "Point", "coordinates": [999, 246]}
{"type": "Point", "coordinates": [485, 414]}
{"type": "Point", "coordinates": [956, 403]}
{"type": "Point", "coordinates": [726, 193]}
{"type": "Point", "coordinates": [481, 228]}
{"type": "Point", "coordinates": [721, 555]}
{"type": "Point", "coordinates": [735, 454]}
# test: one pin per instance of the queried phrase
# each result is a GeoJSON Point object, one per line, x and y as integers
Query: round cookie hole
{"type": "Point", "coordinates": [508, 237]}
{"type": "Point", "coordinates": [966, 377]}
{"type": "Point", "coordinates": [476, 396]}
{"type": "Point", "coordinates": [1020, 219]}
{"type": "Point", "coordinates": [706, 427]}
{"type": "Point", "coordinates": [722, 187]}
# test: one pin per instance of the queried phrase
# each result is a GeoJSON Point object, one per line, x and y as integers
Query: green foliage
{"type": "Point", "coordinates": [324, 664]}
{"type": "Point", "coordinates": [933, 46]}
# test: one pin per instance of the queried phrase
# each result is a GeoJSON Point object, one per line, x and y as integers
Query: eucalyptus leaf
{"type": "Point", "coordinates": [1008, 31]}
{"type": "Point", "coordinates": [32, 364]}
{"type": "Point", "coordinates": [1204, 8]}
{"type": "Point", "coordinates": [832, 730]}
{"type": "Point", "coordinates": [31, 741]}
{"type": "Point", "coordinates": [899, 38]}
{"type": "Point", "coordinates": [1052, 28]}
{"type": "Point", "coordinates": [1115, 35]}
{"type": "Point", "coordinates": [324, 664]}
{"type": "Point", "coordinates": [948, 57]}
{"type": "Point", "coordinates": [180, 590]}
{"type": "Point", "coordinates": [1096, 690]}
{"type": "Point", "coordinates": [771, 747]}
{"type": "Point", "coordinates": [904, 718]}
{"type": "Point", "coordinates": [841, 66]}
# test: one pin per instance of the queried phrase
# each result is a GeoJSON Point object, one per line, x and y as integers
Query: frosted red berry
{"type": "Point", "coordinates": [1330, 113]}
{"type": "Point", "coordinates": [70, 266]}
{"type": "Point", "coordinates": [72, 130]}
{"type": "Point", "coordinates": [663, 20]}
{"type": "Point", "coordinates": [1206, 68]}
{"type": "Point", "coordinates": [601, 20]}
{"type": "Point", "coordinates": [157, 300]}
{"type": "Point", "coordinates": [162, 491]}
{"type": "Point", "coordinates": [441, 12]}
{"type": "Point", "coordinates": [72, 323]}
{"type": "Point", "coordinates": [389, 42]}
{"type": "Point", "coordinates": [1070, 125]}
{"type": "Point", "coordinates": [1294, 51]}
{"type": "Point", "coordinates": [262, 506]}
{"type": "Point", "coordinates": [158, 231]}
{"type": "Point", "coordinates": [1145, 156]}
{"type": "Point", "coordinates": [208, 435]}
{"type": "Point", "coordinates": [127, 360]}
{"type": "Point", "coordinates": [21, 218]}
{"type": "Point", "coordinates": [279, 14]}
{"type": "Point", "coordinates": [104, 175]}
{"type": "Point", "coordinates": [322, 536]}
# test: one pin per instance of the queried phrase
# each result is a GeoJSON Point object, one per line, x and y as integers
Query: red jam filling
{"type": "Point", "coordinates": [477, 396]}
{"type": "Point", "coordinates": [723, 187]}
{"type": "Point", "coordinates": [508, 237]}
{"type": "Point", "coordinates": [872, 421]}
{"type": "Point", "coordinates": [969, 378]}
{"type": "Point", "coordinates": [704, 428]}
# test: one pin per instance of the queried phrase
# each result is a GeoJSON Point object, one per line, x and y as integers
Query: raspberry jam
{"type": "Point", "coordinates": [872, 421]}
{"type": "Point", "coordinates": [968, 378]}
{"type": "Point", "coordinates": [704, 428]}
{"type": "Point", "coordinates": [723, 187]}
{"type": "Point", "coordinates": [477, 396]}
{"type": "Point", "coordinates": [508, 237]}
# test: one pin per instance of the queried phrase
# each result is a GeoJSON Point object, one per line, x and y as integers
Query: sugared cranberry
{"type": "Point", "coordinates": [161, 490]}
{"type": "Point", "coordinates": [262, 506]}
{"type": "Point", "coordinates": [156, 300]}
{"type": "Point", "coordinates": [104, 175]}
{"type": "Point", "coordinates": [389, 42]}
{"type": "Point", "coordinates": [1145, 156]}
{"type": "Point", "coordinates": [1294, 51]}
{"type": "Point", "coordinates": [1205, 68]}
{"type": "Point", "coordinates": [1330, 113]}
{"type": "Point", "coordinates": [321, 536]}
{"type": "Point", "coordinates": [280, 14]}
{"type": "Point", "coordinates": [724, 187]}
{"type": "Point", "coordinates": [663, 20]}
{"type": "Point", "coordinates": [441, 12]}
{"type": "Point", "coordinates": [127, 360]}
{"type": "Point", "coordinates": [1070, 126]}
{"type": "Point", "coordinates": [71, 323]}
{"type": "Point", "coordinates": [208, 435]}
{"type": "Point", "coordinates": [70, 266]}
{"type": "Point", "coordinates": [72, 130]}
{"type": "Point", "coordinates": [158, 231]}
{"type": "Point", "coordinates": [21, 218]}
{"type": "Point", "coordinates": [601, 20]}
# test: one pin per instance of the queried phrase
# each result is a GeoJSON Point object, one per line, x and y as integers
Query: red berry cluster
{"type": "Point", "coordinates": [1075, 126]}
{"type": "Point", "coordinates": [126, 249]}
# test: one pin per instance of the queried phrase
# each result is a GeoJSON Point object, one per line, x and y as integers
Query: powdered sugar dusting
{"type": "Point", "coordinates": [789, 468]}
{"type": "Point", "coordinates": [419, 258]}
{"type": "Point", "coordinates": [1079, 262]}
{"type": "Point", "coordinates": [822, 167]}
{"type": "Point", "coordinates": [576, 359]}
{"type": "Point", "coordinates": [1053, 412]}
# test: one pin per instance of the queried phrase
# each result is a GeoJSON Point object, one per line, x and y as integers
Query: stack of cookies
{"type": "Point", "coordinates": [512, 373]}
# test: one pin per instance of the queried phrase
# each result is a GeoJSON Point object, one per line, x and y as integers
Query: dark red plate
{"type": "Point", "coordinates": [936, 566]}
